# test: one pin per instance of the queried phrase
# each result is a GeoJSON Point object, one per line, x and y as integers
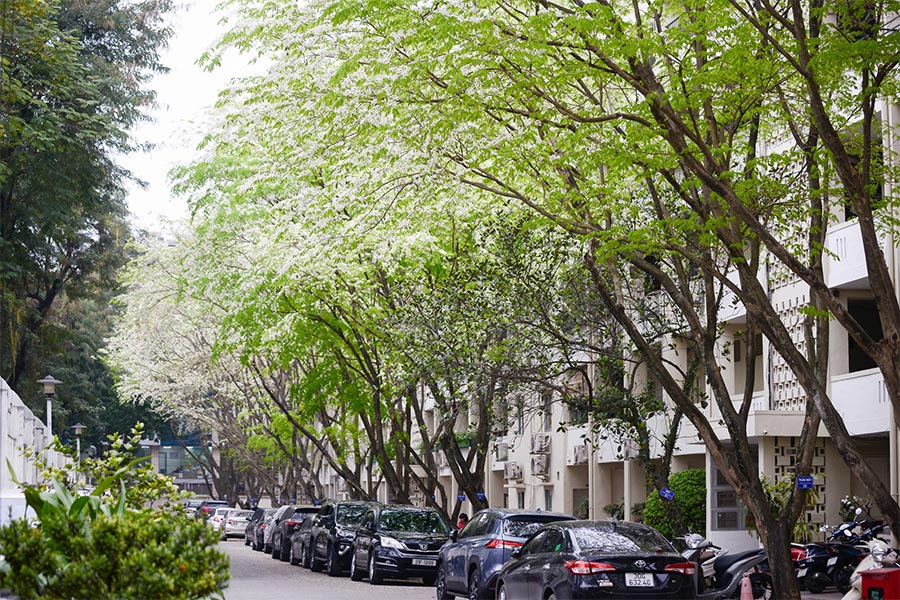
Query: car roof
{"type": "Point", "coordinates": [507, 513]}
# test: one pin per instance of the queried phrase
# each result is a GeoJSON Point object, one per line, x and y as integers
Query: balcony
{"type": "Point", "coordinates": [845, 261]}
{"type": "Point", "coordinates": [862, 401]}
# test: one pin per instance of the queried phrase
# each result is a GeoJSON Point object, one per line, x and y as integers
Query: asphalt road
{"type": "Point", "coordinates": [256, 576]}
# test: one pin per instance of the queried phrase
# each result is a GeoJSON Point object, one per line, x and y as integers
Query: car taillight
{"type": "Point", "coordinates": [586, 567]}
{"type": "Point", "coordinates": [292, 522]}
{"type": "Point", "coordinates": [264, 525]}
{"type": "Point", "coordinates": [685, 568]}
{"type": "Point", "coordinates": [503, 544]}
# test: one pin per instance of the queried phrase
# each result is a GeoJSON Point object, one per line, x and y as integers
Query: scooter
{"type": "Point", "coordinates": [701, 551]}
{"type": "Point", "coordinates": [728, 570]}
{"type": "Point", "coordinates": [880, 555]}
{"type": "Point", "coordinates": [832, 562]}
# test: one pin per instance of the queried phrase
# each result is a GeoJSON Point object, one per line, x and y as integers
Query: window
{"type": "Point", "coordinates": [476, 526]}
{"type": "Point", "coordinates": [521, 497]}
{"type": "Point", "coordinates": [535, 544]}
{"type": "Point", "coordinates": [553, 541]}
{"type": "Point", "coordinates": [866, 314]}
{"type": "Point", "coordinates": [548, 498]}
{"type": "Point", "coordinates": [547, 410]}
{"type": "Point", "coordinates": [727, 508]}
{"type": "Point", "coordinates": [520, 416]}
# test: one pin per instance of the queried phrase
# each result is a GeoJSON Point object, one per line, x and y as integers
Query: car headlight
{"type": "Point", "coordinates": [389, 542]}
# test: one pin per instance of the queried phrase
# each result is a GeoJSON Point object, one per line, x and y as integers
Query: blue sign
{"type": "Point", "coordinates": [317, 502]}
{"type": "Point", "coordinates": [481, 496]}
{"type": "Point", "coordinates": [293, 501]}
{"type": "Point", "coordinates": [804, 482]}
{"type": "Point", "coordinates": [667, 493]}
{"type": "Point", "coordinates": [432, 496]}
{"type": "Point", "coordinates": [461, 497]}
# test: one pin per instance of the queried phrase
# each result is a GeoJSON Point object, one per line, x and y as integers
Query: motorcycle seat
{"type": "Point", "coordinates": [725, 561]}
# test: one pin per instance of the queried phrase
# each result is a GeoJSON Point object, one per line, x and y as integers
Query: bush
{"type": "Point", "coordinates": [138, 555]}
{"type": "Point", "coordinates": [690, 496]}
{"type": "Point", "coordinates": [103, 545]}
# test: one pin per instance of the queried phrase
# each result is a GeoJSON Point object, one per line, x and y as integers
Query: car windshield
{"type": "Point", "coordinates": [415, 521]}
{"type": "Point", "coordinates": [351, 514]}
{"type": "Point", "coordinates": [524, 526]}
{"type": "Point", "coordinates": [242, 514]}
{"type": "Point", "coordinates": [620, 539]}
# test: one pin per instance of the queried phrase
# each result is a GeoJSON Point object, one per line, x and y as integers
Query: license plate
{"type": "Point", "coordinates": [638, 579]}
{"type": "Point", "coordinates": [423, 562]}
{"type": "Point", "coordinates": [801, 573]}
{"type": "Point", "coordinates": [832, 560]}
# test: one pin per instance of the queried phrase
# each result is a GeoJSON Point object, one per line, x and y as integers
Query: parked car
{"type": "Point", "coordinates": [281, 514]}
{"type": "Point", "coordinates": [235, 523]}
{"type": "Point", "coordinates": [282, 530]}
{"type": "Point", "coordinates": [593, 559]}
{"type": "Point", "coordinates": [301, 548]}
{"type": "Point", "coordinates": [469, 565]}
{"type": "Point", "coordinates": [208, 507]}
{"type": "Point", "coordinates": [398, 542]}
{"type": "Point", "coordinates": [191, 506]}
{"type": "Point", "coordinates": [332, 535]}
{"type": "Point", "coordinates": [215, 520]}
{"type": "Point", "coordinates": [258, 530]}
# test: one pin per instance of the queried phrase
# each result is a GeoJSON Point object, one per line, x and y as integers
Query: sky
{"type": "Point", "coordinates": [184, 96]}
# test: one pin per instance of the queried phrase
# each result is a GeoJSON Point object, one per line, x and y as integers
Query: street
{"type": "Point", "coordinates": [255, 576]}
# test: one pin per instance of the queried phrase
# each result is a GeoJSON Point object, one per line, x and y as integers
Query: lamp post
{"type": "Point", "coordinates": [79, 429]}
{"type": "Point", "coordinates": [49, 383]}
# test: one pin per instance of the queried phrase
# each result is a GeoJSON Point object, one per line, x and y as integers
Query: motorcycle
{"type": "Point", "coordinates": [833, 562]}
{"type": "Point", "coordinates": [880, 556]}
{"type": "Point", "coordinates": [727, 570]}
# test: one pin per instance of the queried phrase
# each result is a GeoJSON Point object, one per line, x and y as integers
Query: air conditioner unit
{"type": "Point", "coordinates": [501, 451]}
{"type": "Point", "coordinates": [512, 470]}
{"type": "Point", "coordinates": [629, 450]}
{"type": "Point", "coordinates": [540, 443]}
{"type": "Point", "coordinates": [540, 465]}
{"type": "Point", "coordinates": [581, 454]}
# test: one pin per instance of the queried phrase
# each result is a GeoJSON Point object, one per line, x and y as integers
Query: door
{"type": "Point", "coordinates": [546, 558]}
{"type": "Point", "coordinates": [471, 537]}
{"type": "Point", "coordinates": [525, 568]}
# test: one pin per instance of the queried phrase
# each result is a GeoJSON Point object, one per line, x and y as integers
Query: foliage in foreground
{"type": "Point", "coordinates": [102, 545]}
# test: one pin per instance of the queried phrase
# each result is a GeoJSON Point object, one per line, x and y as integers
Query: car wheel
{"type": "Point", "coordinates": [333, 562]}
{"type": "Point", "coordinates": [375, 576]}
{"type": "Point", "coordinates": [355, 573]}
{"type": "Point", "coordinates": [305, 557]}
{"type": "Point", "coordinates": [474, 582]}
{"type": "Point", "coordinates": [440, 586]}
{"type": "Point", "coordinates": [501, 592]}
{"type": "Point", "coordinates": [276, 551]}
{"type": "Point", "coordinates": [315, 565]}
{"type": "Point", "coordinates": [552, 596]}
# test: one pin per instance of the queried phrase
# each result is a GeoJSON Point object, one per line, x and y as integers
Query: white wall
{"type": "Point", "coordinates": [19, 429]}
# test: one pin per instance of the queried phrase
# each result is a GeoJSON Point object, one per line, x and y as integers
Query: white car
{"type": "Point", "coordinates": [218, 517]}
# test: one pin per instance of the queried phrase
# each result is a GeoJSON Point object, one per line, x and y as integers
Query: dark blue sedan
{"type": "Point", "coordinates": [469, 566]}
{"type": "Point", "coordinates": [596, 559]}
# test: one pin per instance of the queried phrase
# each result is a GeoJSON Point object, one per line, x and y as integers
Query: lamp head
{"type": "Point", "coordinates": [78, 428]}
{"type": "Point", "coordinates": [49, 382]}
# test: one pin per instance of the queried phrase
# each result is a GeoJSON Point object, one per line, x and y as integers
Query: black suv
{"type": "Point", "coordinates": [398, 541]}
{"type": "Point", "coordinates": [333, 533]}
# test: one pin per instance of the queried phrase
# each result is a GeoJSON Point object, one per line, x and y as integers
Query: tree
{"type": "Point", "coordinates": [73, 83]}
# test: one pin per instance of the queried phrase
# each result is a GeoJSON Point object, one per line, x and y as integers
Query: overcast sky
{"type": "Point", "coordinates": [184, 96]}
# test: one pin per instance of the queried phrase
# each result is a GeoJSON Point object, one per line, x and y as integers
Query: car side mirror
{"type": "Point", "coordinates": [454, 535]}
{"type": "Point", "coordinates": [516, 553]}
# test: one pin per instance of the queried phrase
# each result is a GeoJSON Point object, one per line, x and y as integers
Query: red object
{"type": "Point", "coordinates": [881, 584]}
{"type": "Point", "coordinates": [586, 567]}
{"type": "Point", "coordinates": [685, 568]}
{"type": "Point", "coordinates": [502, 544]}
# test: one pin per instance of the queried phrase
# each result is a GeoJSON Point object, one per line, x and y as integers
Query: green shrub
{"type": "Point", "coordinates": [690, 496]}
{"type": "Point", "coordinates": [103, 545]}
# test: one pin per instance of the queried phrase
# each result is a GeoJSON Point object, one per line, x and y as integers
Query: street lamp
{"type": "Point", "coordinates": [79, 429]}
{"type": "Point", "coordinates": [49, 383]}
